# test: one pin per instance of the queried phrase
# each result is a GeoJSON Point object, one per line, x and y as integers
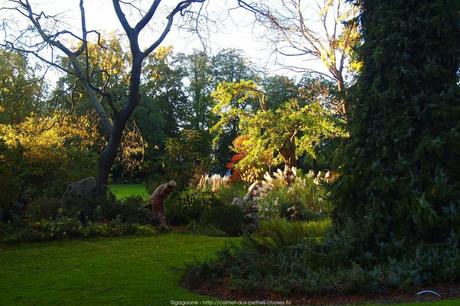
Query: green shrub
{"type": "Point", "coordinates": [228, 218]}
{"type": "Point", "coordinates": [143, 230]}
{"type": "Point", "coordinates": [64, 227]}
{"type": "Point", "coordinates": [129, 210]}
{"type": "Point", "coordinates": [189, 205]}
{"type": "Point", "coordinates": [80, 208]}
{"type": "Point", "coordinates": [226, 194]}
{"type": "Point", "coordinates": [43, 208]}
{"type": "Point", "coordinates": [99, 229]}
{"type": "Point", "coordinates": [204, 212]}
{"type": "Point", "coordinates": [280, 233]}
{"type": "Point", "coordinates": [47, 220]}
{"type": "Point", "coordinates": [10, 182]}
{"type": "Point", "coordinates": [17, 234]}
{"type": "Point", "coordinates": [300, 266]}
{"type": "Point", "coordinates": [60, 227]}
{"type": "Point", "coordinates": [133, 210]}
{"type": "Point", "coordinates": [112, 228]}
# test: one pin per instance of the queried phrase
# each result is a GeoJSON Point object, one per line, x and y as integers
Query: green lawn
{"type": "Point", "coordinates": [123, 191]}
{"type": "Point", "coordinates": [108, 271]}
{"type": "Point", "coordinates": [105, 271]}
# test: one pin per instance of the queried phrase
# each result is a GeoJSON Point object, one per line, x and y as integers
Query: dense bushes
{"type": "Point", "coordinates": [130, 210]}
{"type": "Point", "coordinates": [189, 205]}
{"type": "Point", "coordinates": [43, 209]}
{"type": "Point", "coordinates": [227, 218]}
{"type": "Point", "coordinates": [227, 193]}
{"type": "Point", "coordinates": [193, 207]}
{"type": "Point", "coordinates": [201, 207]}
{"type": "Point", "coordinates": [40, 156]}
{"type": "Point", "coordinates": [288, 258]}
{"type": "Point", "coordinates": [63, 227]}
{"type": "Point", "coordinates": [280, 233]}
{"type": "Point", "coordinates": [10, 182]}
{"type": "Point", "coordinates": [50, 218]}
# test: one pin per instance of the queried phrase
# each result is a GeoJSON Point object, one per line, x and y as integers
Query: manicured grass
{"type": "Point", "coordinates": [123, 191]}
{"type": "Point", "coordinates": [109, 271]}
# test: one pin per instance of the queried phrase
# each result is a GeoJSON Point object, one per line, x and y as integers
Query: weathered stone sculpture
{"type": "Point", "coordinates": [156, 200]}
{"type": "Point", "coordinates": [83, 189]}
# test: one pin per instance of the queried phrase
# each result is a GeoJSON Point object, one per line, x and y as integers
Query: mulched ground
{"type": "Point", "coordinates": [225, 293]}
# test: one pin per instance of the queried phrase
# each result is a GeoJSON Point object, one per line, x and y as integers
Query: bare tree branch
{"type": "Point", "coordinates": [180, 8]}
{"type": "Point", "coordinates": [294, 34]}
{"type": "Point", "coordinates": [147, 17]}
{"type": "Point", "coordinates": [122, 17]}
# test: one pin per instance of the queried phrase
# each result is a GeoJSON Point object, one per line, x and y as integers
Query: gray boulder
{"type": "Point", "coordinates": [85, 188]}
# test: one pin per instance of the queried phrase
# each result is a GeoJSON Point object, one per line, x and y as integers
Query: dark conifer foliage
{"type": "Point", "coordinates": [401, 174]}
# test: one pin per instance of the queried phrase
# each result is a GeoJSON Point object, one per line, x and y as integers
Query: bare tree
{"type": "Point", "coordinates": [43, 39]}
{"type": "Point", "coordinates": [314, 29]}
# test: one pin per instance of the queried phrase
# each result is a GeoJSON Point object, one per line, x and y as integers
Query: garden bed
{"type": "Point", "coordinates": [450, 294]}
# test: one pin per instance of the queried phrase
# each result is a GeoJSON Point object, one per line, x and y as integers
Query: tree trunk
{"type": "Point", "coordinates": [107, 158]}
{"type": "Point", "coordinates": [110, 151]}
{"type": "Point", "coordinates": [288, 154]}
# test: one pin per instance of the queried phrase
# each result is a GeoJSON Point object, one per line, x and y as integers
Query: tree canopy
{"type": "Point", "coordinates": [273, 132]}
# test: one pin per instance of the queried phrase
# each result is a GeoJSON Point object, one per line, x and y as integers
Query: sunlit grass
{"type": "Point", "coordinates": [109, 271]}
{"type": "Point", "coordinates": [123, 191]}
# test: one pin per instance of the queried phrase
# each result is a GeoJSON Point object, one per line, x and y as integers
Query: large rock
{"type": "Point", "coordinates": [85, 188]}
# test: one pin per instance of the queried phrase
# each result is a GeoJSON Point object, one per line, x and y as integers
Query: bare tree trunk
{"type": "Point", "coordinates": [110, 151]}
{"type": "Point", "coordinates": [106, 160]}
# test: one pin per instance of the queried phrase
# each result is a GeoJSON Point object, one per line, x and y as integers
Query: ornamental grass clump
{"type": "Point", "coordinates": [302, 200]}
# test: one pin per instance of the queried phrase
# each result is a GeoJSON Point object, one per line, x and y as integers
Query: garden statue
{"type": "Point", "coordinates": [157, 199]}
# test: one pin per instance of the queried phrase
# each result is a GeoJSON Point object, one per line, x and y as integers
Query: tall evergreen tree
{"type": "Point", "coordinates": [401, 177]}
